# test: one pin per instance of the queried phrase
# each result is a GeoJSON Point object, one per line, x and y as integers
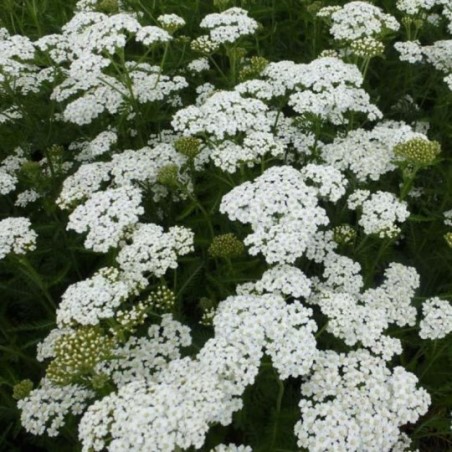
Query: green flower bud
{"type": "Point", "coordinates": [418, 151]}
{"type": "Point", "coordinates": [367, 47]}
{"type": "Point", "coordinates": [22, 389]}
{"type": "Point", "coordinates": [188, 146]}
{"type": "Point", "coordinates": [168, 176]}
{"type": "Point", "coordinates": [162, 299]}
{"type": "Point", "coordinates": [99, 381]}
{"type": "Point", "coordinates": [448, 239]}
{"type": "Point", "coordinates": [344, 234]}
{"type": "Point", "coordinates": [227, 246]}
{"type": "Point", "coordinates": [77, 354]}
{"type": "Point", "coordinates": [207, 317]}
{"type": "Point", "coordinates": [254, 68]}
{"type": "Point", "coordinates": [108, 6]}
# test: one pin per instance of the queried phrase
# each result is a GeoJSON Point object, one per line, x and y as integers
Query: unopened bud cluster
{"type": "Point", "coordinates": [162, 299]}
{"type": "Point", "coordinates": [188, 146]}
{"type": "Point", "coordinates": [77, 354]}
{"type": "Point", "coordinates": [367, 47]}
{"type": "Point", "coordinates": [168, 176]}
{"type": "Point", "coordinates": [130, 320]}
{"type": "Point", "coordinates": [22, 389]}
{"type": "Point", "coordinates": [204, 45]}
{"type": "Point", "coordinates": [344, 234]}
{"type": "Point", "coordinates": [108, 6]}
{"type": "Point", "coordinates": [254, 68]}
{"type": "Point", "coordinates": [418, 151]}
{"type": "Point", "coordinates": [448, 239]}
{"type": "Point", "coordinates": [227, 246]}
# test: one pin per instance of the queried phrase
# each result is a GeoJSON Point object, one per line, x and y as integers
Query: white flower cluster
{"type": "Point", "coordinates": [86, 45]}
{"type": "Point", "coordinates": [413, 7]}
{"type": "Point", "coordinates": [281, 279]}
{"type": "Point", "coordinates": [46, 407]}
{"type": "Point", "coordinates": [352, 398]}
{"type": "Point", "coordinates": [332, 89]}
{"type": "Point", "coordinates": [229, 26]}
{"type": "Point", "coordinates": [106, 216]}
{"type": "Point", "coordinates": [228, 155]}
{"type": "Point", "coordinates": [8, 169]}
{"type": "Point", "coordinates": [410, 51]}
{"type": "Point", "coordinates": [358, 20]}
{"type": "Point", "coordinates": [171, 21]}
{"type": "Point", "coordinates": [139, 358]}
{"type": "Point", "coordinates": [223, 114]}
{"type": "Point", "coordinates": [27, 197]}
{"type": "Point", "coordinates": [177, 406]}
{"type": "Point", "coordinates": [16, 236]}
{"type": "Point", "coordinates": [88, 302]}
{"type": "Point", "coordinates": [363, 317]}
{"type": "Point", "coordinates": [380, 211]}
{"type": "Point", "coordinates": [151, 250]}
{"type": "Point", "coordinates": [368, 153]}
{"type": "Point", "coordinates": [143, 166]}
{"type": "Point", "coordinates": [151, 34]}
{"type": "Point", "coordinates": [101, 144]}
{"type": "Point", "coordinates": [330, 182]}
{"type": "Point", "coordinates": [437, 319]}
{"type": "Point", "coordinates": [86, 181]}
{"type": "Point", "coordinates": [439, 54]}
{"type": "Point", "coordinates": [198, 65]}
{"type": "Point", "coordinates": [282, 210]}
{"type": "Point", "coordinates": [448, 217]}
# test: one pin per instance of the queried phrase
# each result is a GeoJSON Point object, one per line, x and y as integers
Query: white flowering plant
{"type": "Point", "coordinates": [226, 225]}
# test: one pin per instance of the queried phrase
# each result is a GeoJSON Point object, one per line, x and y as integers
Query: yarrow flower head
{"type": "Point", "coordinates": [282, 210]}
{"type": "Point", "coordinates": [357, 20]}
{"type": "Point", "coordinates": [16, 236]}
{"type": "Point", "coordinates": [228, 26]}
{"type": "Point", "coordinates": [380, 212]}
{"type": "Point", "coordinates": [331, 418]}
{"type": "Point", "coordinates": [106, 216]}
{"type": "Point", "coordinates": [437, 319]}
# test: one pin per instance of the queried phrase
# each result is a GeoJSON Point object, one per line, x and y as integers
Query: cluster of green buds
{"type": "Point", "coordinates": [226, 246]}
{"type": "Point", "coordinates": [204, 45]}
{"type": "Point", "coordinates": [344, 234]}
{"type": "Point", "coordinates": [417, 151]}
{"type": "Point", "coordinates": [22, 389]}
{"type": "Point", "coordinates": [162, 299]}
{"type": "Point", "coordinates": [78, 353]}
{"type": "Point", "coordinates": [129, 320]}
{"type": "Point", "coordinates": [208, 311]}
{"type": "Point", "coordinates": [253, 69]}
{"type": "Point", "coordinates": [108, 6]}
{"type": "Point", "coordinates": [169, 175]}
{"type": "Point", "coordinates": [448, 239]}
{"type": "Point", "coordinates": [367, 47]}
{"type": "Point", "coordinates": [408, 21]}
{"type": "Point", "coordinates": [391, 232]}
{"type": "Point", "coordinates": [188, 146]}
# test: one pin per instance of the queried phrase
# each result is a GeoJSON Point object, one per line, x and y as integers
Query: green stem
{"type": "Point", "coordinates": [278, 409]}
{"type": "Point", "coordinates": [27, 270]}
